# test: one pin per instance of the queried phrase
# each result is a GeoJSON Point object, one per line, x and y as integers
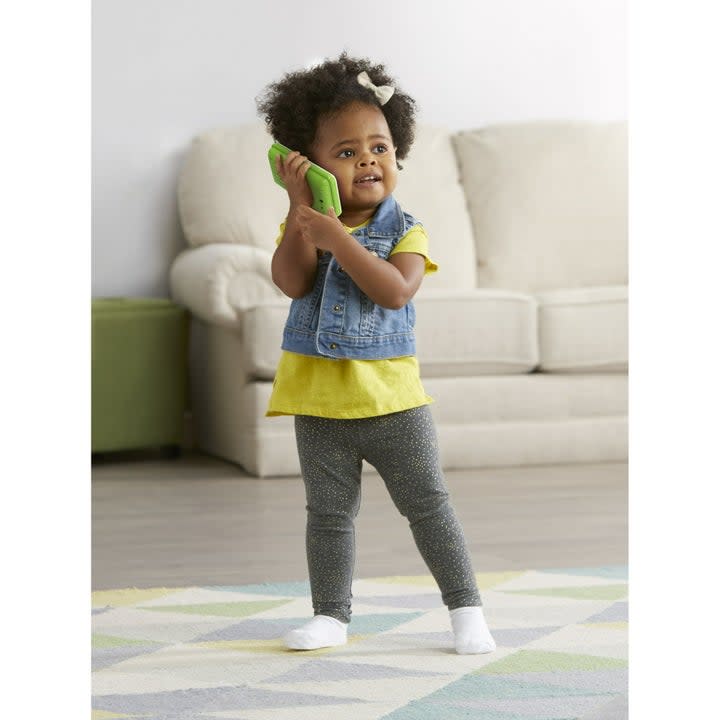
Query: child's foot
{"type": "Point", "coordinates": [322, 631]}
{"type": "Point", "coordinates": [472, 635]}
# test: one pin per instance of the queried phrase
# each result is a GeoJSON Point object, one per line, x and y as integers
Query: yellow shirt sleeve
{"type": "Point", "coordinates": [280, 234]}
{"type": "Point", "coordinates": [416, 241]}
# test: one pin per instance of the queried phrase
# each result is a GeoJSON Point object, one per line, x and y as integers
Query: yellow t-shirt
{"type": "Point", "coordinates": [347, 389]}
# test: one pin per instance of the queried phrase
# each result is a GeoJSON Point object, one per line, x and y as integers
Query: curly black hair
{"type": "Point", "coordinates": [293, 105]}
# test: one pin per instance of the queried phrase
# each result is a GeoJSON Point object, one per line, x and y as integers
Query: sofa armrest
{"type": "Point", "coordinates": [217, 282]}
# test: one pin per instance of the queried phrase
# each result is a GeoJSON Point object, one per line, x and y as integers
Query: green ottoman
{"type": "Point", "coordinates": [139, 373]}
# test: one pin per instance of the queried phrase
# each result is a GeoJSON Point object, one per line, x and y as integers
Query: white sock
{"type": "Point", "coordinates": [322, 631]}
{"type": "Point", "coordinates": [472, 635]}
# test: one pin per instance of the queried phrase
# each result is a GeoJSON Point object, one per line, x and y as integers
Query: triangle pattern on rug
{"type": "Point", "coordinates": [105, 656]}
{"type": "Point", "coordinates": [617, 612]}
{"type": "Point", "coordinates": [517, 637]}
{"type": "Point", "coordinates": [128, 596]}
{"type": "Point", "coordinates": [382, 622]}
{"type": "Point", "coordinates": [423, 710]}
{"type": "Point", "coordinates": [102, 715]}
{"type": "Point", "coordinates": [289, 589]}
{"type": "Point", "coordinates": [598, 682]}
{"type": "Point", "coordinates": [250, 629]}
{"type": "Point", "coordinates": [425, 601]}
{"type": "Point", "coordinates": [499, 687]}
{"type": "Point", "coordinates": [485, 581]}
{"type": "Point", "coordinates": [568, 707]}
{"type": "Point", "coordinates": [323, 671]}
{"type": "Point", "coordinates": [212, 699]}
{"type": "Point", "coordinates": [500, 698]}
{"type": "Point", "coordinates": [272, 646]}
{"type": "Point", "coordinates": [110, 641]}
{"type": "Point", "coordinates": [595, 592]}
{"type": "Point", "coordinates": [619, 572]}
{"type": "Point", "coordinates": [230, 609]}
{"type": "Point", "coordinates": [489, 580]}
{"type": "Point", "coordinates": [548, 661]}
{"type": "Point", "coordinates": [618, 625]}
{"type": "Point", "coordinates": [561, 652]}
{"type": "Point", "coordinates": [419, 580]}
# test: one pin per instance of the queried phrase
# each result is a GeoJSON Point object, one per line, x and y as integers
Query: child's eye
{"type": "Point", "coordinates": [345, 153]}
{"type": "Point", "coordinates": [381, 149]}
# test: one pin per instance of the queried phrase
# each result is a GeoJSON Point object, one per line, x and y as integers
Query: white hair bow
{"type": "Point", "coordinates": [383, 93]}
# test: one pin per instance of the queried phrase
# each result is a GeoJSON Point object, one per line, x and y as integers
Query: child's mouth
{"type": "Point", "coordinates": [367, 180]}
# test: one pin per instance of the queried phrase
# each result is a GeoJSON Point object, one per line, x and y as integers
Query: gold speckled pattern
{"type": "Point", "coordinates": [403, 448]}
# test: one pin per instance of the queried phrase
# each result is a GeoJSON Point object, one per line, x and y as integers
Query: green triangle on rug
{"type": "Point", "coordinates": [230, 609]}
{"type": "Point", "coordinates": [110, 641]}
{"type": "Point", "coordinates": [291, 589]}
{"type": "Point", "coordinates": [596, 592]}
{"type": "Point", "coordinates": [548, 661]}
{"type": "Point", "coordinates": [423, 710]}
{"type": "Point", "coordinates": [379, 622]}
{"type": "Point", "coordinates": [498, 686]}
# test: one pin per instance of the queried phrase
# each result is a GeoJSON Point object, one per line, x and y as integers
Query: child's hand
{"type": "Point", "coordinates": [292, 171]}
{"type": "Point", "coordinates": [322, 231]}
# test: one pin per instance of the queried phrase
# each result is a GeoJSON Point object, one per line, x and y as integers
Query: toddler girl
{"type": "Point", "coordinates": [348, 371]}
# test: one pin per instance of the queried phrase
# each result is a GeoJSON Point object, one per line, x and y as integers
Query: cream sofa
{"type": "Point", "coordinates": [522, 335]}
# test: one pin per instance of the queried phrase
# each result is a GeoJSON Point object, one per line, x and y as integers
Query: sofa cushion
{"type": "Point", "coordinates": [476, 332]}
{"type": "Point", "coordinates": [548, 203]}
{"type": "Point", "coordinates": [429, 188]}
{"type": "Point", "coordinates": [584, 330]}
{"type": "Point", "coordinates": [226, 193]}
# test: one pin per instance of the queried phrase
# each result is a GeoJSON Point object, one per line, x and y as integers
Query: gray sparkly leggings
{"type": "Point", "coordinates": [403, 448]}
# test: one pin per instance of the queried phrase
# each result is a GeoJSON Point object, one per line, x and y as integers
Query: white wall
{"type": "Point", "coordinates": [165, 70]}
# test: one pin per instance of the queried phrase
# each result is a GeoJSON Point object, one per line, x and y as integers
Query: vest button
{"type": "Point", "coordinates": [333, 346]}
{"type": "Point", "coordinates": [337, 308]}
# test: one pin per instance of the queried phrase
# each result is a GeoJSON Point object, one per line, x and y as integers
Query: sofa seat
{"type": "Point", "coordinates": [458, 333]}
{"type": "Point", "coordinates": [584, 329]}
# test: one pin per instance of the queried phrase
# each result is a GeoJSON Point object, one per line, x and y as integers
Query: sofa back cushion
{"type": "Point", "coordinates": [548, 203]}
{"type": "Point", "coordinates": [429, 188]}
{"type": "Point", "coordinates": [226, 195]}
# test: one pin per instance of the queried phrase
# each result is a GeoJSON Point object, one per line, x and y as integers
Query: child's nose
{"type": "Point", "coordinates": [366, 159]}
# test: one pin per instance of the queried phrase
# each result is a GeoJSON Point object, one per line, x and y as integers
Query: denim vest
{"type": "Point", "coordinates": [337, 320]}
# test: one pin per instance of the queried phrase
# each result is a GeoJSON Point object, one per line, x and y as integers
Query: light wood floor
{"type": "Point", "coordinates": [200, 521]}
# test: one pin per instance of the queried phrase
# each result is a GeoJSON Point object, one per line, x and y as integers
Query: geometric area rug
{"type": "Point", "coordinates": [205, 653]}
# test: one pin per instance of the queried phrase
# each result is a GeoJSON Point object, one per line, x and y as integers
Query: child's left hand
{"type": "Point", "coordinates": [322, 231]}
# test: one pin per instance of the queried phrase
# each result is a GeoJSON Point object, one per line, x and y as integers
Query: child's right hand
{"type": "Point", "coordinates": [292, 170]}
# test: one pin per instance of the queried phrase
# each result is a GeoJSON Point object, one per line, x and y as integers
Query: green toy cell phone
{"type": "Point", "coordinates": [322, 183]}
